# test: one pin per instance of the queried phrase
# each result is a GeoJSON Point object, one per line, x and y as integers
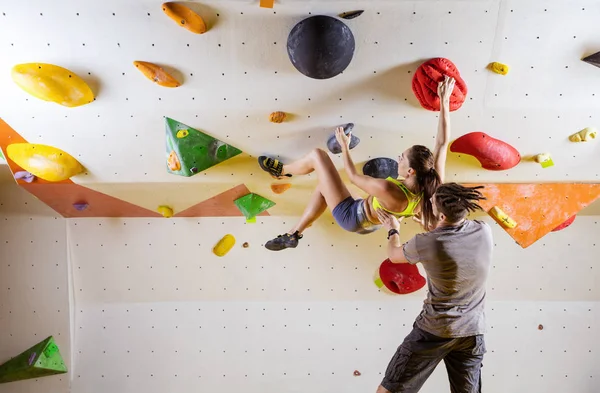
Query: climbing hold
{"type": "Point", "coordinates": [185, 17]}
{"type": "Point", "coordinates": [401, 278]}
{"type": "Point", "coordinates": [492, 154]}
{"type": "Point", "coordinates": [195, 152]}
{"type": "Point", "coordinates": [334, 146]}
{"type": "Point", "coordinates": [381, 168]}
{"type": "Point", "coordinates": [544, 159]}
{"type": "Point", "coordinates": [245, 245]}
{"type": "Point", "coordinates": [565, 224]}
{"type": "Point", "coordinates": [585, 135]}
{"type": "Point", "coordinates": [502, 217]}
{"type": "Point", "coordinates": [351, 14]}
{"type": "Point", "coordinates": [280, 188]}
{"type": "Point", "coordinates": [52, 83]}
{"type": "Point", "coordinates": [166, 211]}
{"type": "Point", "coordinates": [80, 206]}
{"type": "Point", "coordinates": [593, 59]}
{"type": "Point", "coordinates": [357, 373]}
{"type": "Point", "coordinates": [320, 47]}
{"type": "Point", "coordinates": [45, 162]}
{"type": "Point", "coordinates": [173, 162]}
{"type": "Point", "coordinates": [266, 3]}
{"type": "Point", "coordinates": [499, 68]}
{"type": "Point", "coordinates": [426, 79]}
{"type": "Point", "coordinates": [251, 205]}
{"type": "Point", "coordinates": [156, 74]}
{"type": "Point", "coordinates": [182, 134]}
{"type": "Point", "coordinates": [25, 176]}
{"type": "Point", "coordinates": [41, 360]}
{"type": "Point", "coordinates": [378, 282]}
{"type": "Point", "coordinates": [224, 245]}
{"type": "Point", "coordinates": [540, 327]}
{"type": "Point", "coordinates": [277, 117]}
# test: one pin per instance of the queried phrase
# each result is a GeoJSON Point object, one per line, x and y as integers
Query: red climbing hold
{"type": "Point", "coordinates": [401, 278]}
{"type": "Point", "coordinates": [426, 79]}
{"type": "Point", "coordinates": [493, 154]}
{"type": "Point", "coordinates": [565, 224]}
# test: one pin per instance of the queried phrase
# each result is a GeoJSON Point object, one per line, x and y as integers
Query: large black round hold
{"type": "Point", "coordinates": [381, 168]}
{"type": "Point", "coordinates": [320, 47]}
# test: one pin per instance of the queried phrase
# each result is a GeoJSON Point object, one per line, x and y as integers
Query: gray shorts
{"type": "Point", "coordinates": [421, 352]}
{"type": "Point", "coordinates": [350, 214]}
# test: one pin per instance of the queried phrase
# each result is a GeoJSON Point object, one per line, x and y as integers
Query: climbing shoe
{"type": "Point", "coordinates": [282, 242]}
{"type": "Point", "coordinates": [272, 166]}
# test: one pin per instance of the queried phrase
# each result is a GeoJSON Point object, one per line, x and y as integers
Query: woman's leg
{"type": "Point", "coordinates": [316, 207]}
{"type": "Point", "coordinates": [331, 186]}
{"type": "Point", "coordinates": [330, 191]}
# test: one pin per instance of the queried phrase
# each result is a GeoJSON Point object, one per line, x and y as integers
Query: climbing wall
{"type": "Point", "coordinates": [154, 310]}
{"type": "Point", "coordinates": [238, 72]}
{"type": "Point", "coordinates": [34, 284]}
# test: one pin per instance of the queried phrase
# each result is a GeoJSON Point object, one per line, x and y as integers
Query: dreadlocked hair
{"type": "Point", "coordinates": [422, 161]}
{"type": "Point", "coordinates": [456, 201]}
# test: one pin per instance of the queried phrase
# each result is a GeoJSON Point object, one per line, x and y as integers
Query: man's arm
{"type": "Point", "coordinates": [443, 136]}
{"type": "Point", "coordinates": [396, 251]}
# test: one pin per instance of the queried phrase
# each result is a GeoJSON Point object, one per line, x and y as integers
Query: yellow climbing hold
{"type": "Point", "coordinates": [52, 83]}
{"type": "Point", "coordinates": [182, 134]}
{"type": "Point", "coordinates": [499, 68]}
{"type": "Point", "coordinates": [166, 211]}
{"type": "Point", "coordinates": [224, 245]}
{"type": "Point", "coordinates": [585, 135]}
{"type": "Point", "coordinates": [45, 162]}
{"type": "Point", "coordinates": [502, 217]}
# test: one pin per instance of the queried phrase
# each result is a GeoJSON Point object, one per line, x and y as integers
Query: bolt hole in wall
{"type": "Point", "coordinates": [154, 310]}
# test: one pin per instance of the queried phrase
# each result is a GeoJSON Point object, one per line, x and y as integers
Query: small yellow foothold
{"type": "Point", "coordinates": [542, 158]}
{"type": "Point", "coordinates": [224, 245]}
{"type": "Point", "coordinates": [585, 135]}
{"type": "Point", "coordinates": [378, 282]}
{"type": "Point", "coordinates": [166, 211]}
{"type": "Point", "coordinates": [502, 217]}
{"type": "Point", "coordinates": [499, 68]}
{"type": "Point", "coordinates": [182, 134]}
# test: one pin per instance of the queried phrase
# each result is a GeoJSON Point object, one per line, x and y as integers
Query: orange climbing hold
{"type": "Point", "coordinates": [280, 188]}
{"type": "Point", "coordinates": [185, 17]}
{"type": "Point", "coordinates": [156, 74]}
{"type": "Point", "coordinates": [538, 208]}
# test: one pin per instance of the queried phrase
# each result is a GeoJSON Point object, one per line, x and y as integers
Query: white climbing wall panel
{"type": "Point", "coordinates": [34, 287]}
{"type": "Point", "coordinates": [156, 311]}
{"type": "Point", "coordinates": [239, 72]}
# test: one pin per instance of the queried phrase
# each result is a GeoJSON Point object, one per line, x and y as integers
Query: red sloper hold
{"type": "Point", "coordinates": [401, 278]}
{"type": "Point", "coordinates": [426, 79]}
{"type": "Point", "coordinates": [493, 154]}
{"type": "Point", "coordinates": [564, 224]}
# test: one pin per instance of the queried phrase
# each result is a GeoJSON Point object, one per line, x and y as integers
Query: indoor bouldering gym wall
{"type": "Point", "coordinates": [134, 214]}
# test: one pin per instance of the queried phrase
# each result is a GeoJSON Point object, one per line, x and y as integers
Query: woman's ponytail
{"type": "Point", "coordinates": [428, 180]}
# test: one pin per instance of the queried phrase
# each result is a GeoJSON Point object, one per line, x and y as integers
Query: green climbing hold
{"type": "Point", "coordinates": [252, 205]}
{"type": "Point", "coordinates": [41, 360]}
{"type": "Point", "coordinates": [190, 151]}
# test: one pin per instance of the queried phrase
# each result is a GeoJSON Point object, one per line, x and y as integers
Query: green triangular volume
{"type": "Point", "coordinates": [41, 360]}
{"type": "Point", "coordinates": [252, 205]}
{"type": "Point", "coordinates": [193, 150]}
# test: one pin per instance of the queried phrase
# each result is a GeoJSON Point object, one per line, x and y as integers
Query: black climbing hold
{"type": "Point", "coordinates": [320, 47]}
{"type": "Point", "coordinates": [351, 14]}
{"type": "Point", "coordinates": [593, 59]}
{"type": "Point", "coordinates": [334, 146]}
{"type": "Point", "coordinates": [381, 168]}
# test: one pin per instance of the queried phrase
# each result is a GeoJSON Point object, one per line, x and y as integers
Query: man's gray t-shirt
{"type": "Point", "coordinates": [457, 260]}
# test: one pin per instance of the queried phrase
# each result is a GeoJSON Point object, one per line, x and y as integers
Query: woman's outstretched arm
{"type": "Point", "coordinates": [443, 136]}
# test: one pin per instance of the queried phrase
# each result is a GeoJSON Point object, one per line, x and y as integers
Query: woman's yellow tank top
{"type": "Point", "coordinates": [413, 200]}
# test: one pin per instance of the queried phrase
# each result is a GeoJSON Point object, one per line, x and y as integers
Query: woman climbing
{"type": "Point", "coordinates": [420, 171]}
